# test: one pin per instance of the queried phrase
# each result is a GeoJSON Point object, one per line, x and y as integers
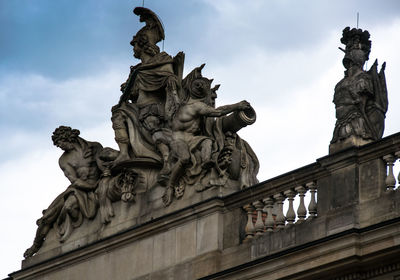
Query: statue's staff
{"type": "Point", "coordinates": [128, 85]}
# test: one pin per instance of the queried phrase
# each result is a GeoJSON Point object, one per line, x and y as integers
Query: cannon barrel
{"type": "Point", "coordinates": [238, 119]}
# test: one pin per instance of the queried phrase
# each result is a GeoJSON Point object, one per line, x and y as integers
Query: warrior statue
{"type": "Point", "coordinates": [360, 97]}
{"type": "Point", "coordinates": [148, 96]}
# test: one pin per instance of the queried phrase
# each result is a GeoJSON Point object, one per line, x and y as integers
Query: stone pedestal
{"type": "Point", "coordinates": [352, 141]}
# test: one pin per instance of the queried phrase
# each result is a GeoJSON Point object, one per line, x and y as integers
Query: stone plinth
{"type": "Point", "coordinates": [352, 141]}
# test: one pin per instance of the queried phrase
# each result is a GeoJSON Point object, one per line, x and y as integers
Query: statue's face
{"type": "Point", "coordinates": [354, 57]}
{"type": "Point", "coordinates": [358, 57]}
{"type": "Point", "coordinates": [65, 145]}
{"type": "Point", "coordinates": [200, 88]}
{"type": "Point", "coordinates": [137, 50]}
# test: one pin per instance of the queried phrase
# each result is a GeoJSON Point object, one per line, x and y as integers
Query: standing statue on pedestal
{"type": "Point", "coordinates": [360, 97]}
{"type": "Point", "coordinates": [148, 96]}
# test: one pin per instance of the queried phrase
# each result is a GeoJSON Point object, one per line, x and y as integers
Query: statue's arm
{"type": "Point", "coordinates": [68, 170]}
{"type": "Point", "coordinates": [209, 111]}
{"type": "Point", "coordinates": [126, 88]}
{"type": "Point", "coordinates": [72, 176]}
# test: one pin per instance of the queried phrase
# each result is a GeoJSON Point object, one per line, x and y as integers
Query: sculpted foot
{"type": "Point", "coordinates": [163, 176]}
{"type": "Point", "coordinates": [31, 251]}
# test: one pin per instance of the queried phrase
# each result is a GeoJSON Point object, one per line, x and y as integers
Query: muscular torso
{"type": "Point", "coordinates": [75, 166]}
{"type": "Point", "coordinates": [188, 119]}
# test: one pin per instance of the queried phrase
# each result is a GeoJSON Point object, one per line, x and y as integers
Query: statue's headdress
{"type": "Point", "coordinates": [356, 39]}
{"type": "Point", "coordinates": [196, 85]}
{"type": "Point", "coordinates": [152, 32]}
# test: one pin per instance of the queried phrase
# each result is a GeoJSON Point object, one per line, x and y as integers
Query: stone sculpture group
{"type": "Point", "coordinates": [171, 135]}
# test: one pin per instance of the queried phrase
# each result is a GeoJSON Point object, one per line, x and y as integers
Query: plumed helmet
{"type": "Point", "coordinates": [152, 32]}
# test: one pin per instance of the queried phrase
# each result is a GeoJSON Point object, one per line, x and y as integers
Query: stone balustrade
{"type": "Point", "coordinates": [353, 176]}
{"type": "Point", "coordinates": [267, 214]}
{"type": "Point", "coordinates": [390, 182]}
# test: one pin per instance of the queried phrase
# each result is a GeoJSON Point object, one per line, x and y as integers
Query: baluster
{"type": "Point", "coordinates": [397, 154]}
{"type": "Point", "coordinates": [390, 180]}
{"type": "Point", "coordinates": [249, 229]}
{"type": "Point", "coordinates": [259, 226]}
{"type": "Point", "coordinates": [269, 221]}
{"type": "Point", "coordinates": [291, 214]}
{"type": "Point", "coordinates": [312, 207]}
{"type": "Point", "coordinates": [280, 217]}
{"type": "Point", "coordinates": [301, 211]}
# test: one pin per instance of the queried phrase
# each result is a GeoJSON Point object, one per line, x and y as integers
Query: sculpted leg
{"type": "Point", "coordinates": [44, 224]}
{"type": "Point", "coordinates": [206, 147]}
{"type": "Point", "coordinates": [71, 207]}
{"type": "Point", "coordinates": [121, 137]}
{"type": "Point", "coordinates": [163, 175]}
{"type": "Point", "coordinates": [105, 206]}
{"type": "Point", "coordinates": [41, 233]}
{"type": "Point", "coordinates": [160, 139]}
{"type": "Point", "coordinates": [177, 171]}
{"type": "Point", "coordinates": [69, 218]}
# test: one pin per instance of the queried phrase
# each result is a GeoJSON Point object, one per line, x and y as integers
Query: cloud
{"type": "Point", "coordinates": [385, 50]}
{"type": "Point", "coordinates": [30, 182]}
{"type": "Point", "coordinates": [28, 185]}
{"type": "Point", "coordinates": [38, 104]}
{"type": "Point", "coordinates": [292, 94]}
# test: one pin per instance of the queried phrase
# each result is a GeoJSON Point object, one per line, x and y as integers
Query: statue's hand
{"type": "Point", "coordinates": [243, 105]}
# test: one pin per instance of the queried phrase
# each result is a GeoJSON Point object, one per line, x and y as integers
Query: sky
{"type": "Point", "coordinates": [62, 63]}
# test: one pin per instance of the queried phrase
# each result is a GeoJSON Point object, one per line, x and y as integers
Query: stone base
{"type": "Point", "coordinates": [146, 207]}
{"type": "Point", "coordinates": [353, 141]}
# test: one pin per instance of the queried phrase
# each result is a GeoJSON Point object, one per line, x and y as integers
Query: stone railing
{"type": "Point", "coordinates": [390, 181]}
{"type": "Point", "coordinates": [350, 177]}
{"type": "Point", "coordinates": [267, 214]}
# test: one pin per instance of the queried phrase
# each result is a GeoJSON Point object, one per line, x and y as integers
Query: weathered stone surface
{"type": "Point", "coordinates": [360, 97]}
{"type": "Point", "coordinates": [357, 233]}
{"type": "Point", "coordinates": [186, 241]}
{"type": "Point", "coordinates": [175, 149]}
{"type": "Point", "coordinates": [178, 150]}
